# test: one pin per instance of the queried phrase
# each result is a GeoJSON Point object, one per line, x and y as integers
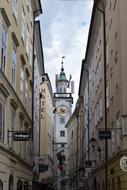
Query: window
{"type": "Point", "coordinates": [4, 47]}
{"type": "Point", "coordinates": [2, 118]}
{"type": "Point", "coordinates": [26, 91]}
{"type": "Point", "coordinates": [116, 70]}
{"type": "Point", "coordinates": [31, 53]}
{"type": "Point", "coordinates": [107, 95]}
{"type": "Point", "coordinates": [119, 183]}
{"type": "Point", "coordinates": [72, 135]}
{"type": "Point", "coordinates": [113, 137]}
{"type": "Point", "coordinates": [27, 4]}
{"type": "Point", "coordinates": [97, 77]}
{"type": "Point", "coordinates": [113, 184]}
{"type": "Point", "coordinates": [62, 133]}
{"type": "Point", "coordinates": [13, 124]}
{"type": "Point", "coordinates": [62, 120]}
{"type": "Point", "coordinates": [100, 108]}
{"type": "Point", "coordinates": [22, 79]}
{"type": "Point", "coordinates": [23, 32]}
{"type": "Point", "coordinates": [13, 64]}
{"type": "Point", "coordinates": [15, 8]}
{"type": "Point", "coordinates": [27, 42]}
{"type": "Point", "coordinates": [11, 183]}
{"type": "Point", "coordinates": [107, 53]}
{"type": "Point", "coordinates": [62, 145]}
{"type": "Point", "coordinates": [118, 131]}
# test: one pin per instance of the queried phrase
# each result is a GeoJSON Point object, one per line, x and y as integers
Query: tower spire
{"type": "Point", "coordinates": [62, 68]}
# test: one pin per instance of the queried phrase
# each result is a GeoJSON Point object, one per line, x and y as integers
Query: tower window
{"type": "Point", "coordinates": [62, 133]}
{"type": "Point", "coordinates": [62, 120]}
{"type": "Point", "coordinates": [60, 90]}
{"type": "Point", "coordinates": [62, 145]}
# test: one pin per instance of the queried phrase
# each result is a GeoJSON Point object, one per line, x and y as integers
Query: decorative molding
{"type": "Point", "coordinates": [26, 123]}
{"type": "Point", "coordinates": [13, 103]}
{"type": "Point", "coordinates": [4, 90]}
{"type": "Point", "coordinates": [21, 116]}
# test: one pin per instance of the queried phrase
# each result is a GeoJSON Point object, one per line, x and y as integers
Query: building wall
{"type": "Point", "coordinates": [46, 130]}
{"type": "Point", "coordinates": [38, 72]}
{"type": "Point", "coordinates": [71, 152]}
{"type": "Point", "coordinates": [116, 107]}
{"type": "Point", "coordinates": [15, 92]}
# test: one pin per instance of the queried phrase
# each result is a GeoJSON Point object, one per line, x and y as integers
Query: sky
{"type": "Point", "coordinates": [64, 27]}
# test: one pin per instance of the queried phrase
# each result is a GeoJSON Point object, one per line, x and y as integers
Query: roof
{"type": "Point", "coordinates": [62, 76]}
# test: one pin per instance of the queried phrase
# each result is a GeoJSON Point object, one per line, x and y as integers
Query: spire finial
{"type": "Point", "coordinates": [62, 69]}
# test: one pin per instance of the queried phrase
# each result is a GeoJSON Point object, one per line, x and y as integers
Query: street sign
{"type": "Point", "coordinates": [104, 135]}
{"type": "Point", "coordinates": [43, 168]}
{"type": "Point", "coordinates": [88, 164]}
{"type": "Point", "coordinates": [21, 136]}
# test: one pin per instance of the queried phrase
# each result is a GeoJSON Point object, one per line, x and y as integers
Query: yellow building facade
{"type": "Point", "coordinates": [46, 132]}
{"type": "Point", "coordinates": [16, 58]}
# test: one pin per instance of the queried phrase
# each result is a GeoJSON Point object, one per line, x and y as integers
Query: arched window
{"type": "Point", "coordinates": [11, 183]}
{"type": "Point", "coordinates": [1, 185]}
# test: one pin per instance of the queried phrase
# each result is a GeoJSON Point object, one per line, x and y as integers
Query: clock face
{"type": "Point", "coordinates": [62, 110]}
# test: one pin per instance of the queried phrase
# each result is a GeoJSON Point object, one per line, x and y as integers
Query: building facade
{"type": "Point", "coordinates": [38, 72]}
{"type": "Point", "coordinates": [75, 148]}
{"type": "Point", "coordinates": [63, 104]}
{"type": "Point", "coordinates": [46, 133]}
{"type": "Point", "coordinates": [105, 57]}
{"type": "Point", "coordinates": [16, 42]}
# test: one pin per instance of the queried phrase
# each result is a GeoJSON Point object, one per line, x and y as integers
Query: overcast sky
{"type": "Point", "coordinates": [65, 26]}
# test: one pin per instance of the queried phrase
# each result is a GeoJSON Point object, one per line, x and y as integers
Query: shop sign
{"type": "Point", "coordinates": [43, 168]}
{"type": "Point", "coordinates": [21, 136]}
{"type": "Point", "coordinates": [103, 135]}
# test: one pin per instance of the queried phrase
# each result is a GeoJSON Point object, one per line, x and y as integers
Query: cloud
{"type": "Point", "coordinates": [64, 32]}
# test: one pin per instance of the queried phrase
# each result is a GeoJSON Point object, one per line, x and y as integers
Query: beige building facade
{"type": "Point", "coordinates": [75, 148]}
{"type": "Point", "coordinates": [16, 42]}
{"type": "Point", "coordinates": [116, 92]}
{"type": "Point", "coordinates": [46, 132]}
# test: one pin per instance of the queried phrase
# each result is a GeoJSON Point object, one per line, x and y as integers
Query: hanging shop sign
{"type": "Point", "coordinates": [88, 164]}
{"type": "Point", "coordinates": [43, 168]}
{"type": "Point", "coordinates": [103, 135]}
{"type": "Point", "coordinates": [21, 136]}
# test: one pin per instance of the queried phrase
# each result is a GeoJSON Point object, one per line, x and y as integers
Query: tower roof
{"type": "Point", "coordinates": [62, 75]}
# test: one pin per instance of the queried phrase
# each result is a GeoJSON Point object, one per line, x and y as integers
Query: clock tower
{"type": "Point", "coordinates": [63, 109]}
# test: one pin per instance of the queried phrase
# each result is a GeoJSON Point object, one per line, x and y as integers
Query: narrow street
{"type": "Point", "coordinates": [63, 95]}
